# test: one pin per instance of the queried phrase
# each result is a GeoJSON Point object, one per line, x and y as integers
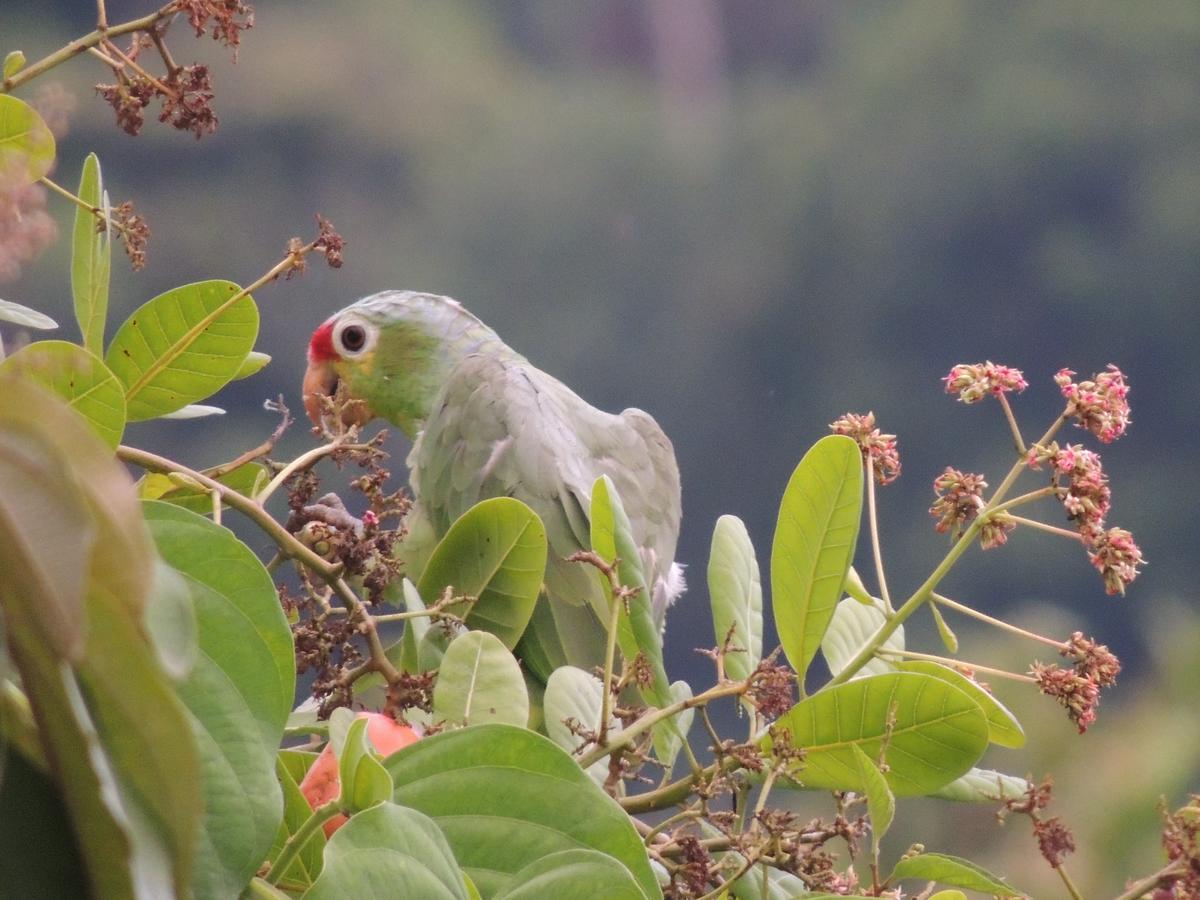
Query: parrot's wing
{"type": "Point", "coordinates": [501, 427]}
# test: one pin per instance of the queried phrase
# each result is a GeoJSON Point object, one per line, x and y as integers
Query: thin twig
{"type": "Point", "coordinates": [288, 544]}
{"type": "Point", "coordinates": [81, 44]}
{"type": "Point", "coordinates": [888, 652]}
{"type": "Point", "coordinates": [996, 623]}
{"type": "Point", "coordinates": [877, 552]}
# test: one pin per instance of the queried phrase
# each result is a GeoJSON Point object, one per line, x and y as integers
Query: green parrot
{"type": "Point", "coordinates": [487, 423]}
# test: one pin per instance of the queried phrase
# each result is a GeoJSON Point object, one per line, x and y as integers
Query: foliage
{"type": "Point", "coordinates": [150, 659]}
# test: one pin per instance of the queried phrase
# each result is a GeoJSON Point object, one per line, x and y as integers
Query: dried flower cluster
{"type": "Point", "coordinates": [134, 231]}
{"type": "Point", "coordinates": [975, 381]}
{"type": "Point", "coordinates": [1054, 839]}
{"type": "Point", "coordinates": [879, 449]}
{"type": "Point", "coordinates": [186, 92]}
{"type": "Point", "coordinates": [1181, 841]}
{"type": "Point", "coordinates": [1078, 688]}
{"type": "Point", "coordinates": [229, 18]}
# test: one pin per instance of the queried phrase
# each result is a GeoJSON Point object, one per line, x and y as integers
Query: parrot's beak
{"type": "Point", "coordinates": [321, 381]}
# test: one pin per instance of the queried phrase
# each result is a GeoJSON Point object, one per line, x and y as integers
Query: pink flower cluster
{"type": "Point", "coordinates": [959, 499]}
{"type": "Point", "coordinates": [1100, 405]}
{"type": "Point", "coordinates": [1087, 496]}
{"type": "Point", "coordinates": [1116, 557]}
{"type": "Point", "coordinates": [1078, 688]}
{"type": "Point", "coordinates": [26, 229]}
{"type": "Point", "coordinates": [974, 381]}
{"type": "Point", "coordinates": [880, 449]}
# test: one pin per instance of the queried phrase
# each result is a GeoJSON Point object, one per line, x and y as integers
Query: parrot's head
{"type": "Point", "coordinates": [390, 353]}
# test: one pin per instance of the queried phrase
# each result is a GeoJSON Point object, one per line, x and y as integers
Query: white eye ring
{"type": "Point", "coordinates": [353, 337]}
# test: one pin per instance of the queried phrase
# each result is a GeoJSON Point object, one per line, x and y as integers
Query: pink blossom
{"type": "Point", "coordinates": [879, 448]}
{"type": "Point", "coordinates": [972, 382]}
{"type": "Point", "coordinates": [1100, 405]}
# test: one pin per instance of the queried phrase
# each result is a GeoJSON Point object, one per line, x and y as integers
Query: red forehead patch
{"type": "Point", "coordinates": [320, 348]}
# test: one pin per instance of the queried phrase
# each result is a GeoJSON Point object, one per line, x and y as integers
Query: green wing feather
{"type": "Point", "coordinates": [501, 427]}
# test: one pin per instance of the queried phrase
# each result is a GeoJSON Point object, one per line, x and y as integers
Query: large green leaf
{"type": "Point", "coordinates": [74, 551]}
{"type": "Point", "coordinates": [182, 346]}
{"type": "Point", "coordinates": [79, 377]}
{"type": "Point", "coordinates": [735, 592]}
{"type": "Point", "coordinates": [852, 626]}
{"type": "Point", "coordinates": [612, 538]}
{"type": "Point", "coordinates": [814, 544]}
{"type": "Point", "coordinates": [495, 551]}
{"type": "Point", "coordinates": [385, 852]}
{"type": "Point", "coordinates": [505, 797]}
{"type": "Point", "coordinates": [953, 871]}
{"type": "Point", "coordinates": [934, 732]}
{"type": "Point", "coordinates": [480, 681]}
{"type": "Point", "coordinates": [575, 695]}
{"type": "Point", "coordinates": [240, 692]}
{"type": "Point", "coordinates": [573, 875]}
{"type": "Point", "coordinates": [1003, 727]}
{"type": "Point", "coordinates": [26, 144]}
{"type": "Point", "coordinates": [983, 786]}
{"type": "Point", "coordinates": [91, 260]}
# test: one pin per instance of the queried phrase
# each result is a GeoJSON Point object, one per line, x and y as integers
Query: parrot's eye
{"type": "Point", "coordinates": [352, 338]}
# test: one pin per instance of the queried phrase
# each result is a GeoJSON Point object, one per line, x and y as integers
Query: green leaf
{"type": "Point", "coordinates": [388, 851]}
{"type": "Point", "coordinates": [780, 885]}
{"type": "Point", "coordinates": [14, 62]}
{"type": "Point", "coordinates": [945, 632]}
{"type": "Point", "coordinates": [949, 895]}
{"type": "Point", "coordinates": [612, 538]}
{"type": "Point", "coordinates": [171, 621]}
{"type": "Point", "coordinates": [194, 411]}
{"type": "Point", "coordinates": [243, 479]}
{"type": "Point", "coordinates": [934, 731]}
{"type": "Point", "coordinates": [23, 315]}
{"type": "Point", "coordinates": [852, 626]}
{"type": "Point", "coordinates": [855, 589]}
{"type": "Point", "coordinates": [505, 797]}
{"type": "Point", "coordinates": [182, 346]}
{"type": "Point", "coordinates": [254, 363]}
{"type": "Point", "coordinates": [880, 803]}
{"type": "Point", "coordinates": [480, 682]}
{"type": "Point", "coordinates": [364, 780]}
{"type": "Point", "coordinates": [670, 735]}
{"type": "Point", "coordinates": [573, 875]}
{"type": "Point", "coordinates": [26, 144]}
{"type": "Point", "coordinates": [735, 592]}
{"type": "Point", "coordinates": [953, 871]}
{"type": "Point", "coordinates": [573, 694]}
{"type": "Point", "coordinates": [1003, 727]}
{"type": "Point", "coordinates": [495, 551]}
{"type": "Point", "coordinates": [91, 260]}
{"type": "Point", "coordinates": [414, 629]}
{"type": "Point", "coordinates": [79, 377]}
{"type": "Point", "coordinates": [73, 550]}
{"type": "Point", "coordinates": [289, 770]}
{"type": "Point", "coordinates": [239, 693]}
{"type": "Point", "coordinates": [814, 544]}
{"type": "Point", "coordinates": [35, 828]}
{"type": "Point", "coordinates": [983, 786]}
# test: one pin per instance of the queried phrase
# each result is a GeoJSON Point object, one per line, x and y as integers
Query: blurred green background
{"type": "Point", "coordinates": [746, 217]}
